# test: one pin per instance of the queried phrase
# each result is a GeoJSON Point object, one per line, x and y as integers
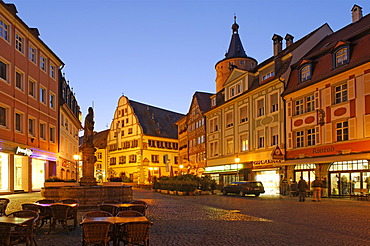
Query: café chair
{"type": "Point", "coordinates": [70, 201]}
{"type": "Point", "coordinates": [110, 202]}
{"type": "Point", "coordinates": [108, 208]}
{"type": "Point", "coordinates": [73, 210]}
{"type": "Point", "coordinates": [5, 232]}
{"type": "Point", "coordinates": [96, 233]}
{"type": "Point", "coordinates": [129, 213]}
{"type": "Point", "coordinates": [46, 201]}
{"type": "Point", "coordinates": [3, 204]}
{"type": "Point", "coordinates": [36, 208]}
{"type": "Point", "coordinates": [139, 202]}
{"type": "Point", "coordinates": [139, 208]}
{"type": "Point", "coordinates": [24, 233]}
{"type": "Point", "coordinates": [60, 213]}
{"type": "Point", "coordinates": [97, 213]}
{"type": "Point", "coordinates": [134, 233]}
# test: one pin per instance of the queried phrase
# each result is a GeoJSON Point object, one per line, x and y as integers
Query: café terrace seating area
{"type": "Point", "coordinates": [109, 223]}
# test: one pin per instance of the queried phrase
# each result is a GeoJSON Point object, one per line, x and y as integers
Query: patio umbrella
{"type": "Point", "coordinates": [171, 172]}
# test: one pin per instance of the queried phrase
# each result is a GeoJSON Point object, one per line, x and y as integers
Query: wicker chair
{"type": "Point", "coordinates": [139, 202]}
{"type": "Point", "coordinates": [5, 232]}
{"type": "Point", "coordinates": [70, 201]}
{"type": "Point", "coordinates": [134, 233]}
{"type": "Point", "coordinates": [110, 202]}
{"type": "Point", "coordinates": [108, 208]}
{"type": "Point", "coordinates": [36, 208]}
{"type": "Point", "coordinates": [139, 208]}
{"type": "Point", "coordinates": [24, 233]}
{"type": "Point", "coordinates": [45, 201]}
{"type": "Point", "coordinates": [129, 213]}
{"type": "Point", "coordinates": [3, 204]}
{"type": "Point", "coordinates": [95, 233]}
{"type": "Point", "coordinates": [98, 213]}
{"type": "Point", "coordinates": [60, 213]}
{"type": "Point", "coordinates": [73, 211]}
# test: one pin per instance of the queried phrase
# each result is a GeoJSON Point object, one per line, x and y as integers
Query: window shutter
{"type": "Point", "coordinates": [318, 135]}
{"type": "Point", "coordinates": [317, 100]}
{"type": "Point", "coordinates": [351, 89]}
{"type": "Point", "coordinates": [327, 97]}
{"type": "Point", "coordinates": [290, 140]}
{"type": "Point", "coordinates": [367, 125]}
{"type": "Point", "coordinates": [289, 108]}
{"type": "Point", "coordinates": [328, 133]}
{"type": "Point", "coordinates": [352, 128]}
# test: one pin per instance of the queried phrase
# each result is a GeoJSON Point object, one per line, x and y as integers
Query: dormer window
{"type": "Point", "coordinates": [305, 72]}
{"type": "Point", "coordinates": [269, 75]}
{"type": "Point", "coordinates": [341, 56]}
{"type": "Point", "coordinates": [235, 90]}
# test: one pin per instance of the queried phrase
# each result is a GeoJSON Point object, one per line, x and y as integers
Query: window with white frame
{"type": "Point", "coordinates": [299, 139]}
{"type": "Point", "coordinates": [32, 88]}
{"type": "Point", "coordinates": [213, 101]}
{"type": "Point", "coordinates": [122, 159]}
{"type": "Point", "coordinates": [342, 131]}
{"type": "Point", "coordinates": [213, 147]}
{"type": "Point", "coordinates": [4, 71]}
{"type": "Point", "coordinates": [229, 146]}
{"type": "Point", "coordinates": [132, 158]}
{"type": "Point", "coordinates": [311, 137]}
{"type": "Point", "coordinates": [260, 139]}
{"type": "Point", "coordinates": [4, 30]}
{"type": "Point", "coordinates": [42, 131]}
{"type": "Point", "coordinates": [244, 143]}
{"type": "Point", "coordinates": [52, 101]}
{"type": "Point", "coordinates": [112, 161]}
{"type": "Point", "coordinates": [42, 63]}
{"type": "Point", "coordinates": [299, 106]}
{"type": "Point", "coordinates": [31, 127]}
{"type": "Point", "coordinates": [305, 73]}
{"type": "Point", "coordinates": [268, 75]}
{"type": "Point", "coordinates": [341, 93]}
{"type": "Point", "coordinates": [52, 134]}
{"type": "Point", "coordinates": [3, 116]}
{"type": "Point", "coordinates": [155, 158]}
{"type": "Point", "coordinates": [274, 102]}
{"type": "Point", "coordinates": [274, 136]}
{"type": "Point", "coordinates": [260, 107]}
{"type": "Point", "coordinates": [310, 103]}
{"type": "Point", "coordinates": [213, 123]}
{"type": "Point", "coordinates": [43, 95]}
{"type": "Point", "coordinates": [32, 53]}
{"type": "Point", "coordinates": [341, 57]}
{"type": "Point", "coordinates": [19, 80]}
{"type": "Point", "coordinates": [229, 119]}
{"type": "Point", "coordinates": [18, 122]}
{"type": "Point", "coordinates": [235, 90]}
{"type": "Point", "coordinates": [19, 43]}
{"type": "Point", "coordinates": [52, 71]}
{"type": "Point", "coordinates": [243, 114]}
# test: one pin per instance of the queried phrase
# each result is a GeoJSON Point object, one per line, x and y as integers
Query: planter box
{"type": "Point", "coordinates": [181, 193]}
{"type": "Point", "coordinates": [164, 191]}
{"type": "Point", "coordinates": [113, 183]}
{"type": "Point", "coordinates": [172, 192]}
{"type": "Point", "coordinates": [59, 184]}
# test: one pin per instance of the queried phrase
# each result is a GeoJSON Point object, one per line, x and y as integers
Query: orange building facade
{"type": "Point", "coordinates": [28, 105]}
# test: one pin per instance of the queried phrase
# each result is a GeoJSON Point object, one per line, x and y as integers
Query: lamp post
{"type": "Point", "coordinates": [237, 159]}
{"type": "Point", "coordinates": [77, 159]}
{"type": "Point", "coordinates": [181, 167]}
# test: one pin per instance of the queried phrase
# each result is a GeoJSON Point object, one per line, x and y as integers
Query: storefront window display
{"type": "Point", "coordinates": [270, 180]}
{"type": "Point", "coordinates": [4, 172]}
{"type": "Point", "coordinates": [38, 174]}
{"type": "Point", "coordinates": [20, 173]}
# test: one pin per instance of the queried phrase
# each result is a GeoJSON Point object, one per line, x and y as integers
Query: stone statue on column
{"type": "Point", "coordinates": [87, 148]}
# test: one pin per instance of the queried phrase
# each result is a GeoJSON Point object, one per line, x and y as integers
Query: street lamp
{"type": "Point", "coordinates": [181, 167]}
{"type": "Point", "coordinates": [77, 159]}
{"type": "Point", "coordinates": [237, 159]}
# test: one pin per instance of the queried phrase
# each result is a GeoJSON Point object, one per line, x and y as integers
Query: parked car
{"type": "Point", "coordinates": [244, 187]}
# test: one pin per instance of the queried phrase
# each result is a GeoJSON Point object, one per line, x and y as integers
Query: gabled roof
{"type": "Point", "coordinates": [236, 73]}
{"type": "Point", "coordinates": [204, 100]}
{"type": "Point", "coordinates": [100, 139]}
{"type": "Point", "coordinates": [156, 121]}
{"type": "Point", "coordinates": [356, 35]}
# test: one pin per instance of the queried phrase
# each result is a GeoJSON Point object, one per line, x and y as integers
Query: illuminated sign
{"type": "Point", "coordinates": [24, 151]}
{"type": "Point", "coordinates": [224, 168]}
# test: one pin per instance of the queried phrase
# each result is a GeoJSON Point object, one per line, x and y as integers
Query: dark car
{"type": "Point", "coordinates": [244, 187]}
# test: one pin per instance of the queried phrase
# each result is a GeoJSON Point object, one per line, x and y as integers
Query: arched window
{"type": "Point", "coordinates": [305, 72]}
{"type": "Point", "coordinates": [341, 56]}
{"type": "Point", "coordinates": [349, 165]}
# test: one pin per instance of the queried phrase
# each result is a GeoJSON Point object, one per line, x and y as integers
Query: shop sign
{"type": "Point", "coordinates": [277, 153]}
{"type": "Point", "coordinates": [24, 151]}
{"type": "Point", "coordinates": [323, 150]}
{"type": "Point", "coordinates": [224, 168]}
{"type": "Point", "coordinates": [265, 163]}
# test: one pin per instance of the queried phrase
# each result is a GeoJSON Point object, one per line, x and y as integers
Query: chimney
{"type": "Point", "coordinates": [278, 45]}
{"type": "Point", "coordinates": [356, 13]}
{"type": "Point", "coordinates": [288, 40]}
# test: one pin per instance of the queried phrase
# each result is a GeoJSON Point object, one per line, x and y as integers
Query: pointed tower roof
{"type": "Point", "coordinates": [236, 47]}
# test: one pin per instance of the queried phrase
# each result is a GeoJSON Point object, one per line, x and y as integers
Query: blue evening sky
{"type": "Point", "coordinates": [161, 52]}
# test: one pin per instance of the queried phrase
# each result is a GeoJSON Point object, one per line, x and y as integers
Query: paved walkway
{"type": "Point", "coordinates": [233, 220]}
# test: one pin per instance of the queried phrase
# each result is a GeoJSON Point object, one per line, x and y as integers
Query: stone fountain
{"type": "Point", "coordinates": [88, 192]}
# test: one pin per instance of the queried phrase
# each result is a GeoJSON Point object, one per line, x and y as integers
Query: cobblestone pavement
{"type": "Point", "coordinates": [233, 220]}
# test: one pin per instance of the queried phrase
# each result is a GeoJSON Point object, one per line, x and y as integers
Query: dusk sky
{"type": "Point", "coordinates": [161, 52]}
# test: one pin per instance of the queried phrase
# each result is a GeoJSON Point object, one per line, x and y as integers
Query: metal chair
{"type": "Point", "coordinates": [60, 213]}
{"type": "Point", "coordinates": [108, 208]}
{"type": "Point", "coordinates": [129, 213]}
{"type": "Point", "coordinates": [96, 233]}
{"type": "Point", "coordinates": [139, 208]}
{"type": "Point", "coordinates": [134, 233]}
{"type": "Point", "coordinates": [24, 233]}
{"type": "Point", "coordinates": [3, 204]}
{"type": "Point", "coordinates": [98, 213]}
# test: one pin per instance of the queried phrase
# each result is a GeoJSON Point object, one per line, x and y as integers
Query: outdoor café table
{"type": "Point", "coordinates": [116, 221]}
{"type": "Point", "coordinates": [73, 205]}
{"type": "Point", "coordinates": [125, 206]}
{"type": "Point", "coordinates": [14, 220]}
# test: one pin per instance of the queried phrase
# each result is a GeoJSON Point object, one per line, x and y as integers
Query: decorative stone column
{"type": "Point", "coordinates": [88, 160]}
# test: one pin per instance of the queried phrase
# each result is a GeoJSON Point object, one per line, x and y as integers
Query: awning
{"type": "Point", "coordinates": [326, 159]}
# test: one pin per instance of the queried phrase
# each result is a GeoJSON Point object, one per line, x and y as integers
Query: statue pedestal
{"type": "Point", "coordinates": [88, 160]}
